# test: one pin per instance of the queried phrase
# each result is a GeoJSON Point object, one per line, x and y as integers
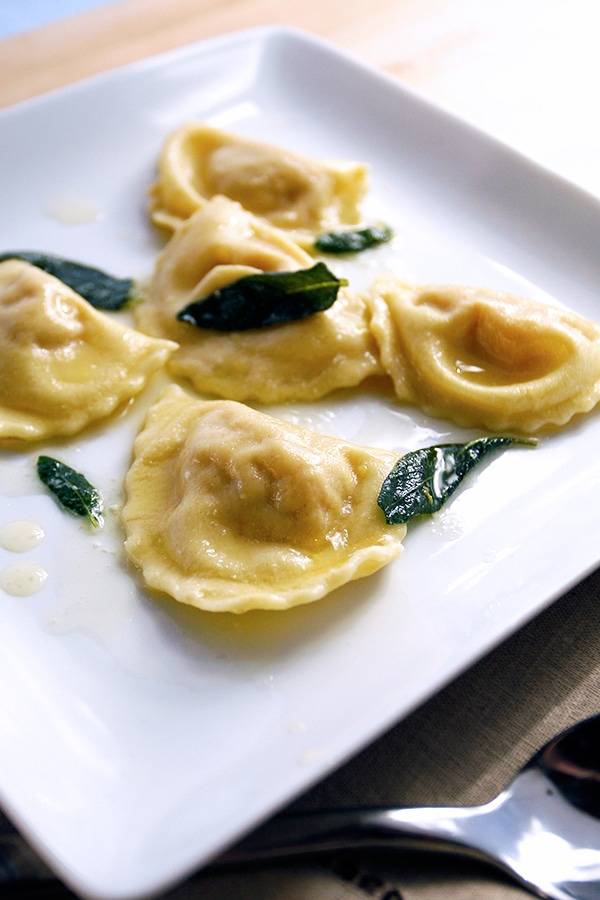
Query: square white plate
{"type": "Point", "coordinates": [137, 737]}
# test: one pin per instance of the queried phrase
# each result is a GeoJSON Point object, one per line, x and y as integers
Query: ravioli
{"type": "Point", "coordinates": [290, 191]}
{"type": "Point", "coordinates": [301, 360]}
{"type": "Point", "coordinates": [484, 358]}
{"type": "Point", "coordinates": [63, 364]}
{"type": "Point", "coordinates": [230, 510]}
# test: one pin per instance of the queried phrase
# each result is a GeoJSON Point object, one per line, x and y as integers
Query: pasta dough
{"type": "Point", "coordinates": [63, 364]}
{"type": "Point", "coordinates": [301, 360]}
{"type": "Point", "coordinates": [229, 509]}
{"type": "Point", "coordinates": [486, 359]}
{"type": "Point", "coordinates": [290, 191]}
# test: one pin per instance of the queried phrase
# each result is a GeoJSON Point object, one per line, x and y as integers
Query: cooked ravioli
{"type": "Point", "coordinates": [290, 191]}
{"type": "Point", "coordinates": [229, 509]}
{"type": "Point", "coordinates": [302, 360]}
{"type": "Point", "coordinates": [486, 359]}
{"type": "Point", "coordinates": [63, 364]}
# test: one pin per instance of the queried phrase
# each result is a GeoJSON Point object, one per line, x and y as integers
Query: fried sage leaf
{"type": "Point", "coordinates": [267, 299]}
{"type": "Point", "coordinates": [72, 489]}
{"type": "Point", "coordinates": [353, 241]}
{"type": "Point", "coordinates": [422, 480]}
{"type": "Point", "coordinates": [99, 289]}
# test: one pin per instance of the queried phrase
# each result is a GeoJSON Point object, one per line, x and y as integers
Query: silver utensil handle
{"type": "Point", "coordinates": [305, 833]}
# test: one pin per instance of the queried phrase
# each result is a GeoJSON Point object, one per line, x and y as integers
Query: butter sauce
{"type": "Point", "coordinates": [21, 535]}
{"type": "Point", "coordinates": [72, 211]}
{"type": "Point", "coordinates": [23, 579]}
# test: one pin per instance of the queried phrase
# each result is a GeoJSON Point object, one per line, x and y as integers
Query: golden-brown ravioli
{"type": "Point", "coordinates": [484, 358]}
{"type": "Point", "coordinates": [63, 364]}
{"type": "Point", "coordinates": [290, 191]}
{"type": "Point", "coordinates": [302, 360]}
{"type": "Point", "coordinates": [229, 509]}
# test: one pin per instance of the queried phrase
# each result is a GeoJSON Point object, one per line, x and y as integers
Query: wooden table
{"type": "Point", "coordinates": [526, 70]}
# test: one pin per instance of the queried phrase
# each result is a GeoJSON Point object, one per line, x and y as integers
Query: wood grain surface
{"type": "Point", "coordinates": [526, 70]}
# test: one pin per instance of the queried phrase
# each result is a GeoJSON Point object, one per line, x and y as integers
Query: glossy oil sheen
{"type": "Point", "coordinates": [21, 535]}
{"type": "Point", "coordinates": [22, 579]}
{"type": "Point", "coordinates": [166, 728]}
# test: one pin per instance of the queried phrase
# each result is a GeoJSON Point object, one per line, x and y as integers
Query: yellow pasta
{"type": "Point", "coordinates": [63, 364]}
{"type": "Point", "coordinates": [302, 360]}
{"type": "Point", "coordinates": [230, 510]}
{"type": "Point", "coordinates": [290, 191]}
{"type": "Point", "coordinates": [484, 358]}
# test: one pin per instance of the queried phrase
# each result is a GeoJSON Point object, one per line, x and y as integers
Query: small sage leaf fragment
{"type": "Point", "coordinates": [72, 489]}
{"type": "Point", "coordinates": [272, 298]}
{"type": "Point", "coordinates": [100, 289]}
{"type": "Point", "coordinates": [353, 241]}
{"type": "Point", "coordinates": [422, 480]}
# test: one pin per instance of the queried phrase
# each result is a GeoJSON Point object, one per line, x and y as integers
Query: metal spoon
{"type": "Point", "coordinates": [543, 830]}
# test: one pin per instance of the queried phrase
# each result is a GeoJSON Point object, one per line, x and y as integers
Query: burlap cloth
{"type": "Point", "coordinates": [459, 748]}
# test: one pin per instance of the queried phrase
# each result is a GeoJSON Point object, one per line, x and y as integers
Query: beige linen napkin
{"type": "Point", "coordinates": [459, 748]}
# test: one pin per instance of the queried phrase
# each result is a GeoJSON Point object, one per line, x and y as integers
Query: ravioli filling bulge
{"type": "Point", "coordinates": [301, 360]}
{"type": "Point", "coordinates": [231, 509]}
{"type": "Point", "coordinates": [289, 190]}
{"type": "Point", "coordinates": [63, 364]}
{"type": "Point", "coordinates": [485, 358]}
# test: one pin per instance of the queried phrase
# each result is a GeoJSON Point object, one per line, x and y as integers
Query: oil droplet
{"type": "Point", "coordinates": [23, 579]}
{"type": "Point", "coordinates": [463, 367]}
{"type": "Point", "coordinates": [447, 524]}
{"type": "Point", "coordinates": [21, 535]}
{"type": "Point", "coordinates": [72, 211]}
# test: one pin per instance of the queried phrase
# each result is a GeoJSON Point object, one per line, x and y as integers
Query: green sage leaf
{"type": "Point", "coordinates": [353, 241]}
{"type": "Point", "coordinates": [72, 489]}
{"type": "Point", "coordinates": [268, 299]}
{"type": "Point", "coordinates": [99, 289]}
{"type": "Point", "coordinates": [422, 480]}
